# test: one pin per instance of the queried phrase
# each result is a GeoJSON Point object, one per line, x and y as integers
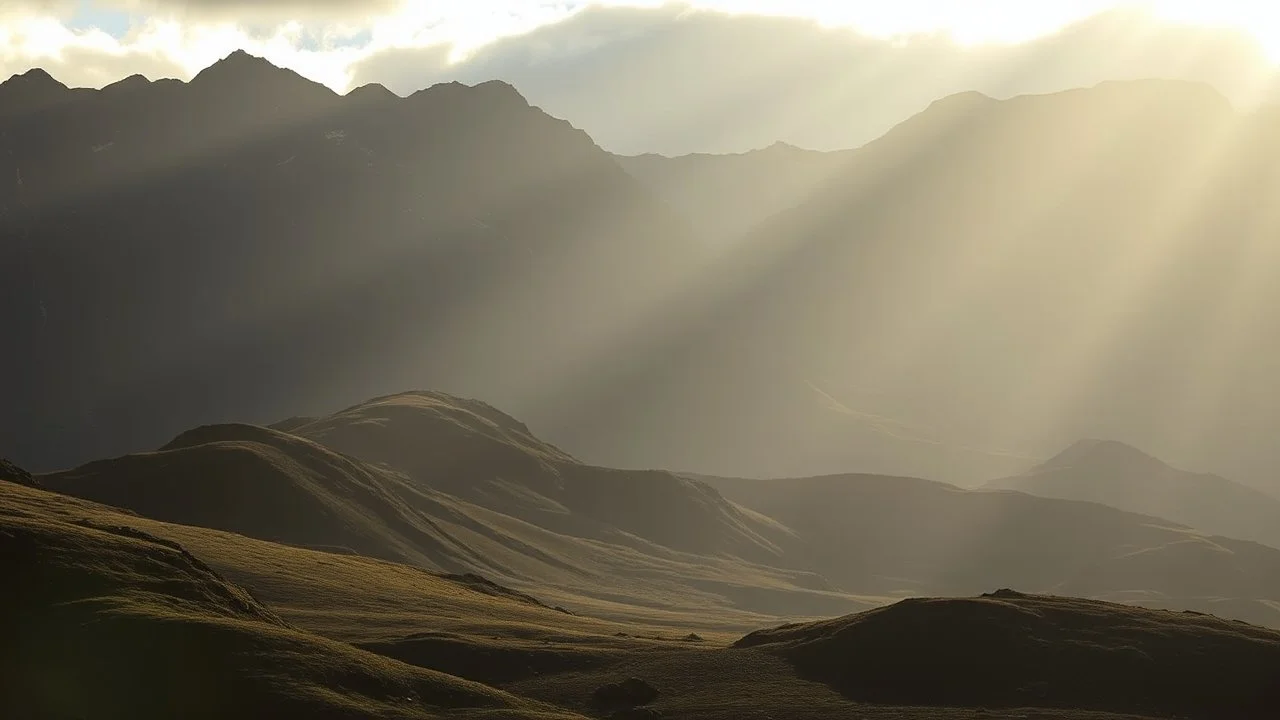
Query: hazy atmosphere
{"type": "Point", "coordinates": [630, 361]}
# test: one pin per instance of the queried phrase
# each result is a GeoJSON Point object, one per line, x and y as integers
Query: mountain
{"type": "Point", "coordinates": [1011, 650]}
{"type": "Point", "coordinates": [176, 254]}
{"type": "Point", "coordinates": [250, 245]}
{"type": "Point", "coordinates": [1122, 476]}
{"type": "Point", "coordinates": [976, 289]}
{"type": "Point", "coordinates": [117, 622]}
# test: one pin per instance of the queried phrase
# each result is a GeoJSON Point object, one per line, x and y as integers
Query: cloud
{"type": "Point", "coordinates": [328, 11]}
{"type": "Point", "coordinates": [676, 81]}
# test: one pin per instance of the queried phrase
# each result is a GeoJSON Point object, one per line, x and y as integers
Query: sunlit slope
{"type": "Point", "coordinates": [1124, 477]}
{"type": "Point", "coordinates": [270, 485]}
{"type": "Point", "coordinates": [479, 454]}
{"type": "Point", "coordinates": [107, 620]}
{"type": "Point", "coordinates": [1009, 650]}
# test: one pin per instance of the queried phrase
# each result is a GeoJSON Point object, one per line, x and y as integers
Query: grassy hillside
{"type": "Point", "coordinates": [168, 631]}
{"type": "Point", "coordinates": [109, 621]}
{"type": "Point", "coordinates": [451, 484]}
{"type": "Point", "coordinates": [1008, 649]}
{"type": "Point", "coordinates": [270, 485]}
{"type": "Point", "coordinates": [479, 454]}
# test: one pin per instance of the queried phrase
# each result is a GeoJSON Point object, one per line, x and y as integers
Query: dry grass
{"type": "Point", "coordinates": [118, 623]}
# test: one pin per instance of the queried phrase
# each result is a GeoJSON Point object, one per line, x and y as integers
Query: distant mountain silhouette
{"type": "Point", "coordinates": [168, 249]}
{"type": "Point", "coordinates": [1007, 649]}
{"type": "Point", "coordinates": [1122, 476]}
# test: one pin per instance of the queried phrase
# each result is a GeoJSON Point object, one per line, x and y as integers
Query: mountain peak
{"type": "Point", "coordinates": [132, 82]}
{"type": "Point", "coordinates": [238, 64]}
{"type": "Point", "coordinates": [372, 91]}
{"type": "Point", "coordinates": [241, 69]}
{"type": "Point", "coordinates": [35, 77]}
{"type": "Point", "coordinates": [491, 91]}
{"type": "Point", "coordinates": [1095, 451]}
{"type": "Point", "coordinates": [30, 90]}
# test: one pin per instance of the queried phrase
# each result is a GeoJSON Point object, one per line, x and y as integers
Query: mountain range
{"type": "Point", "coordinates": [781, 312]}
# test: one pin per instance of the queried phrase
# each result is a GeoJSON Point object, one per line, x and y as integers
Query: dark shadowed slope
{"type": "Point", "coordinates": [903, 536]}
{"type": "Point", "coordinates": [1007, 649]}
{"type": "Point", "coordinates": [107, 621]}
{"type": "Point", "coordinates": [251, 221]}
{"type": "Point", "coordinates": [15, 474]}
{"type": "Point", "coordinates": [1122, 476]}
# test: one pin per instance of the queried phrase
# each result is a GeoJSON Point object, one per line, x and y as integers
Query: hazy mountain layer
{"type": "Point", "coordinates": [1125, 477]}
{"type": "Point", "coordinates": [903, 536]}
{"type": "Point", "coordinates": [985, 284]}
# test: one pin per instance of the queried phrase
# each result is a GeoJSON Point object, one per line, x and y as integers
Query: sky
{"type": "Point", "coordinates": [652, 76]}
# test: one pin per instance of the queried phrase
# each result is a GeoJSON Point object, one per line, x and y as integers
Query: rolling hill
{"type": "Point", "coordinates": [1008, 650]}
{"type": "Point", "coordinates": [1122, 476]}
{"type": "Point", "coordinates": [456, 485]}
{"type": "Point", "coordinates": [345, 636]}
{"type": "Point", "coordinates": [116, 622]}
